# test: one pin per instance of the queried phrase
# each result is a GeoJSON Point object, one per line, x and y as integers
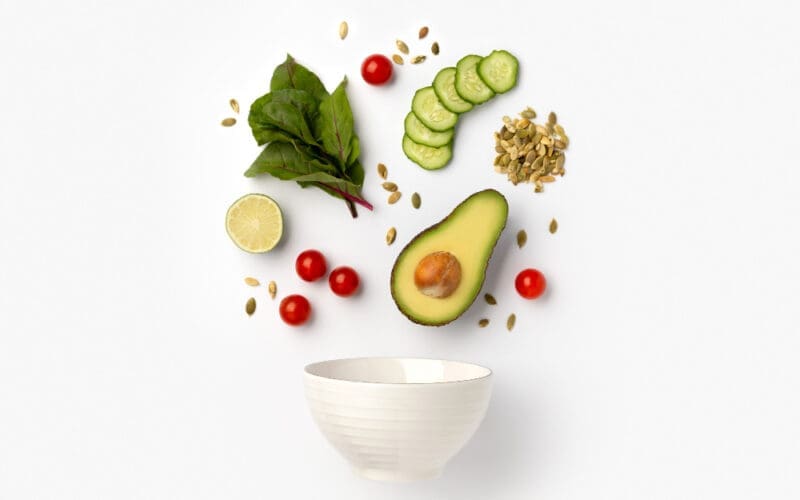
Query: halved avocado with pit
{"type": "Point", "coordinates": [440, 272]}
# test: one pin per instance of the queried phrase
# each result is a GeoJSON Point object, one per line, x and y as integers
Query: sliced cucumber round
{"type": "Point", "coordinates": [425, 156]}
{"type": "Point", "coordinates": [468, 84]}
{"type": "Point", "coordinates": [419, 133]}
{"type": "Point", "coordinates": [430, 111]}
{"type": "Point", "coordinates": [499, 71]}
{"type": "Point", "coordinates": [444, 84]}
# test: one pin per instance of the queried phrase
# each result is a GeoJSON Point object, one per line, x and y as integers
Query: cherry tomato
{"type": "Point", "coordinates": [344, 281]}
{"type": "Point", "coordinates": [376, 69]}
{"type": "Point", "coordinates": [311, 265]}
{"type": "Point", "coordinates": [530, 283]}
{"type": "Point", "coordinates": [294, 310]}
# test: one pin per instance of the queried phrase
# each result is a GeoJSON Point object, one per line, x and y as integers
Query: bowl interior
{"type": "Point", "coordinates": [397, 370]}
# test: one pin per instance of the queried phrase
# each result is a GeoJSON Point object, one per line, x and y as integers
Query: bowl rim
{"type": "Point", "coordinates": [487, 375]}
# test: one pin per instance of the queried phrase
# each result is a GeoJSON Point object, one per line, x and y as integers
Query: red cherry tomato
{"type": "Point", "coordinates": [530, 283]}
{"type": "Point", "coordinates": [294, 310]}
{"type": "Point", "coordinates": [344, 281]}
{"type": "Point", "coordinates": [376, 69]}
{"type": "Point", "coordinates": [311, 265]}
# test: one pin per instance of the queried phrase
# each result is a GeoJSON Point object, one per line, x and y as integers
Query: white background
{"type": "Point", "coordinates": [662, 364]}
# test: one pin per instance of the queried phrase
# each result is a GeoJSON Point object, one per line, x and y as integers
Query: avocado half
{"type": "Point", "coordinates": [470, 233]}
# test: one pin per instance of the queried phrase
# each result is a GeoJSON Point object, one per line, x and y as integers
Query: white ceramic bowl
{"type": "Point", "coordinates": [397, 419]}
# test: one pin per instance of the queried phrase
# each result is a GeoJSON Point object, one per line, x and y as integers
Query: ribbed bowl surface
{"type": "Point", "coordinates": [398, 431]}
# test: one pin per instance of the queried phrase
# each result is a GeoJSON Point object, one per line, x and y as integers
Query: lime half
{"type": "Point", "coordinates": [254, 222]}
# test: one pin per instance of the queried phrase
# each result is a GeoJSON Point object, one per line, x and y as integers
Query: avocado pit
{"type": "Point", "coordinates": [438, 275]}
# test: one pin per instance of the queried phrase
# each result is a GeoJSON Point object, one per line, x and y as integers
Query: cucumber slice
{"type": "Point", "coordinates": [419, 133]}
{"type": "Point", "coordinates": [499, 71]}
{"type": "Point", "coordinates": [425, 156]}
{"type": "Point", "coordinates": [445, 87]}
{"type": "Point", "coordinates": [468, 84]}
{"type": "Point", "coordinates": [430, 111]}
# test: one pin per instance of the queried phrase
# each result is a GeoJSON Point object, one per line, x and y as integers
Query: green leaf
{"type": "Point", "coordinates": [356, 173]}
{"type": "Point", "coordinates": [290, 111]}
{"type": "Point", "coordinates": [288, 162]}
{"type": "Point", "coordinates": [334, 126]}
{"type": "Point", "coordinates": [355, 150]}
{"type": "Point", "coordinates": [291, 75]}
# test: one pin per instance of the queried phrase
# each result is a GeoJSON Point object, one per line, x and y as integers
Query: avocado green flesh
{"type": "Point", "coordinates": [470, 233]}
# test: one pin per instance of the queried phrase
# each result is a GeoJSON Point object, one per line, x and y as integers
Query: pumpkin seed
{"type": "Point", "coordinates": [416, 201]}
{"type": "Point", "coordinates": [417, 59]}
{"type": "Point", "coordinates": [250, 306]}
{"type": "Point", "coordinates": [389, 186]}
{"type": "Point", "coordinates": [401, 46]}
{"type": "Point", "coordinates": [553, 226]}
{"type": "Point", "coordinates": [391, 234]}
{"type": "Point", "coordinates": [394, 197]}
{"type": "Point", "coordinates": [343, 29]}
{"type": "Point", "coordinates": [234, 105]}
{"type": "Point", "coordinates": [423, 32]}
{"type": "Point", "coordinates": [273, 289]}
{"type": "Point", "coordinates": [382, 171]}
{"type": "Point", "coordinates": [483, 323]}
{"type": "Point", "coordinates": [510, 321]}
{"type": "Point", "coordinates": [251, 281]}
{"type": "Point", "coordinates": [522, 238]}
{"type": "Point", "coordinates": [398, 59]}
{"type": "Point", "coordinates": [435, 48]}
{"type": "Point", "coordinates": [552, 118]}
{"type": "Point", "coordinates": [489, 298]}
{"type": "Point", "coordinates": [228, 122]}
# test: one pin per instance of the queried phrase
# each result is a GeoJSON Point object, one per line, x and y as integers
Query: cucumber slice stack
{"type": "Point", "coordinates": [429, 128]}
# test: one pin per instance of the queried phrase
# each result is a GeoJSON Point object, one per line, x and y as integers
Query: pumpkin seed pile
{"type": "Point", "coordinates": [529, 152]}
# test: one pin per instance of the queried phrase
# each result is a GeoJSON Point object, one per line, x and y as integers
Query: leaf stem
{"type": "Point", "coordinates": [347, 196]}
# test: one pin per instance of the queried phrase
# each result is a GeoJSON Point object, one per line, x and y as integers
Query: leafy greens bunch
{"type": "Point", "coordinates": [308, 133]}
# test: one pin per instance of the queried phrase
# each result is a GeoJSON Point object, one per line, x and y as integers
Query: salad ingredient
{"type": "Point", "coordinates": [234, 105]}
{"type": "Point", "coordinates": [394, 197]}
{"type": "Point", "coordinates": [430, 111]}
{"type": "Point", "coordinates": [530, 283]}
{"type": "Point", "coordinates": [416, 201]}
{"type": "Point", "coordinates": [529, 152]}
{"type": "Point", "coordinates": [383, 171]}
{"type": "Point", "coordinates": [489, 298]}
{"type": "Point", "coordinates": [343, 29]}
{"type": "Point", "coordinates": [438, 275]}
{"type": "Point", "coordinates": [376, 69]}
{"type": "Point", "coordinates": [419, 133]}
{"type": "Point", "coordinates": [311, 265]}
{"type": "Point", "coordinates": [272, 288]}
{"type": "Point", "coordinates": [250, 306]}
{"type": "Point", "coordinates": [391, 234]}
{"type": "Point", "coordinates": [401, 46]}
{"type": "Point", "coordinates": [468, 83]}
{"type": "Point", "coordinates": [469, 233]}
{"type": "Point", "coordinates": [522, 238]}
{"type": "Point", "coordinates": [512, 319]}
{"type": "Point", "coordinates": [309, 135]}
{"type": "Point", "coordinates": [389, 186]}
{"type": "Point", "coordinates": [418, 59]}
{"type": "Point", "coordinates": [499, 71]}
{"type": "Point", "coordinates": [344, 281]}
{"type": "Point", "coordinates": [294, 310]}
{"type": "Point", "coordinates": [423, 32]}
{"type": "Point", "coordinates": [483, 323]}
{"type": "Point", "coordinates": [435, 110]}
{"type": "Point", "coordinates": [254, 223]}
{"type": "Point", "coordinates": [228, 122]}
{"type": "Point", "coordinates": [425, 156]}
{"type": "Point", "coordinates": [553, 226]}
{"type": "Point", "coordinates": [435, 48]}
{"type": "Point", "coordinates": [251, 281]}
{"type": "Point", "coordinates": [397, 59]}
{"type": "Point", "coordinates": [444, 84]}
